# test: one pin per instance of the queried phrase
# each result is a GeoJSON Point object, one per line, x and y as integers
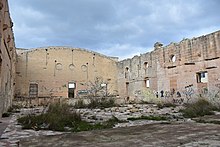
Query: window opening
{"type": "Point", "coordinates": [173, 58]}
{"type": "Point", "coordinates": [146, 65]}
{"type": "Point", "coordinates": [146, 83]}
{"type": "Point", "coordinates": [202, 77]}
{"type": "Point", "coordinates": [126, 72]}
{"type": "Point", "coordinates": [127, 88]}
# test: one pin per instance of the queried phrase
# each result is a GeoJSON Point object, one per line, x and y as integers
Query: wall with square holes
{"type": "Point", "coordinates": [172, 69]}
{"type": "Point", "coordinates": [166, 72]}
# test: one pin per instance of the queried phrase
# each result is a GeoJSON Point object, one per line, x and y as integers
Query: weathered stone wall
{"type": "Point", "coordinates": [174, 68]}
{"type": "Point", "coordinates": [177, 70]}
{"type": "Point", "coordinates": [136, 75]}
{"type": "Point", "coordinates": [7, 58]}
{"type": "Point", "coordinates": [54, 68]}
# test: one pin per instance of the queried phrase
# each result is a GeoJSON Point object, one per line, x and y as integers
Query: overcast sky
{"type": "Point", "coordinates": [121, 28]}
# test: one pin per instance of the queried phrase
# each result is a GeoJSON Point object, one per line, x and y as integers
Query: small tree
{"type": "Point", "coordinates": [98, 87]}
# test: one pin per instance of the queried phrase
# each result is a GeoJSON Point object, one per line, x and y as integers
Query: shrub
{"type": "Point", "coordinates": [57, 118]}
{"type": "Point", "coordinates": [107, 124]}
{"type": "Point", "coordinates": [107, 102]}
{"type": "Point", "coordinates": [101, 103]}
{"type": "Point", "coordinates": [61, 118]}
{"type": "Point", "coordinates": [163, 105]}
{"type": "Point", "coordinates": [96, 103]}
{"type": "Point", "coordinates": [80, 104]}
{"type": "Point", "coordinates": [6, 114]}
{"type": "Point", "coordinates": [199, 108]}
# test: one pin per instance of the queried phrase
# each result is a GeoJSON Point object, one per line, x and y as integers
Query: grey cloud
{"type": "Point", "coordinates": [116, 27]}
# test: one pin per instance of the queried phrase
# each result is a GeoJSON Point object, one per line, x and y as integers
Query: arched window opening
{"type": "Point", "coordinates": [173, 58]}
{"type": "Point", "coordinates": [146, 65]}
{"type": "Point", "coordinates": [146, 83]}
{"type": "Point", "coordinates": [126, 72]}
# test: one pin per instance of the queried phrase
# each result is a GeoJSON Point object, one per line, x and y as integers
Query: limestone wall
{"type": "Point", "coordinates": [174, 68]}
{"type": "Point", "coordinates": [136, 75]}
{"type": "Point", "coordinates": [7, 58]}
{"type": "Point", "coordinates": [179, 69]}
{"type": "Point", "coordinates": [54, 68]}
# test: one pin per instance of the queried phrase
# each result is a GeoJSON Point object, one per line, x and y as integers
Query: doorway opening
{"type": "Point", "coordinates": [71, 89]}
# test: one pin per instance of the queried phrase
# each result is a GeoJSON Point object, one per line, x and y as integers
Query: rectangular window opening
{"type": "Point", "coordinates": [127, 88]}
{"type": "Point", "coordinates": [146, 83]}
{"type": "Point", "coordinates": [202, 77]}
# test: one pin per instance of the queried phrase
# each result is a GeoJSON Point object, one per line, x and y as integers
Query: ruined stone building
{"type": "Point", "coordinates": [64, 72]}
{"type": "Point", "coordinates": [7, 58]}
{"type": "Point", "coordinates": [191, 64]}
{"type": "Point", "coordinates": [177, 70]}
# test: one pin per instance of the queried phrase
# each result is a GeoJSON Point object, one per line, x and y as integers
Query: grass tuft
{"type": "Point", "coordinates": [163, 105]}
{"type": "Point", "coordinates": [61, 118]}
{"type": "Point", "coordinates": [156, 118]}
{"type": "Point", "coordinates": [199, 108]}
{"type": "Point", "coordinates": [96, 103]}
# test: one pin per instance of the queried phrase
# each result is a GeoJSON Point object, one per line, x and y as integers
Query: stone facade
{"type": "Point", "coordinates": [64, 72]}
{"type": "Point", "coordinates": [7, 58]}
{"type": "Point", "coordinates": [176, 70]}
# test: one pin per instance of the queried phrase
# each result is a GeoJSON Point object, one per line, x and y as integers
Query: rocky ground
{"type": "Point", "coordinates": [175, 132]}
{"type": "Point", "coordinates": [130, 111]}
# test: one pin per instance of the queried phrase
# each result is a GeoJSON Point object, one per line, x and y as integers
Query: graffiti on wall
{"type": "Point", "coordinates": [179, 96]}
{"type": "Point", "coordinates": [176, 96]}
{"type": "Point", "coordinates": [51, 90]}
{"type": "Point", "coordinates": [189, 92]}
{"type": "Point", "coordinates": [211, 93]}
{"type": "Point", "coordinates": [137, 93]}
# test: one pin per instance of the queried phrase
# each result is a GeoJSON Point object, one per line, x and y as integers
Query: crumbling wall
{"type": "Point", "coordinates": [136, 75]}
{"type": "Point", "coordinates": [173, 70]}
{"type": "Point", "coordinates": [54, 69]}
{"type": "Point", "coordinates": [7, 58]}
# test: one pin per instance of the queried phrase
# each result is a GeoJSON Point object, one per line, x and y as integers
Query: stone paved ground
{"type": "Point", "coordinates": [181, 132]}
{"type": "Point", "coordinates": [166, 135]}
{"type": "Point", "coordinates": [11, 132]}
